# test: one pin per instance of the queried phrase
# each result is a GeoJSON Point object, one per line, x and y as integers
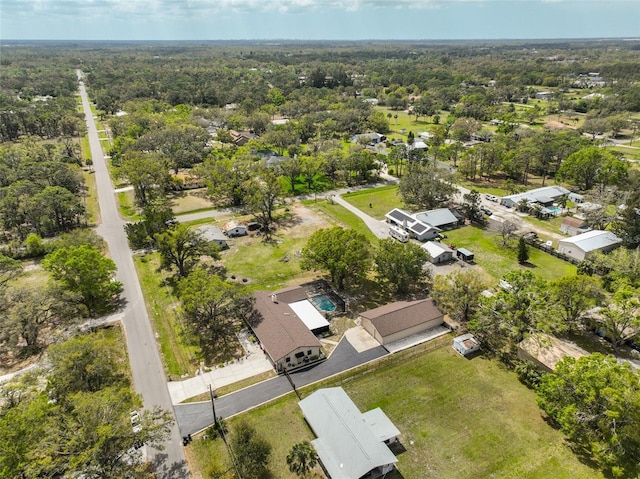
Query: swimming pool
{"type": "Point", "coordinates": [324, 303]}
{"type": "Point", "coordinates": [554, 209]}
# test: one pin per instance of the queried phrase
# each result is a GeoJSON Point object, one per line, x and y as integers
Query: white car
{"type": "Point", "coordinates": [491, 198]}
{"type": "Point", "coordinates": [135, 421]}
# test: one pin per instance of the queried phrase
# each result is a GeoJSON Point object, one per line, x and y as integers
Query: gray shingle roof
{"type": "Point", "coordinates": [346, 444]}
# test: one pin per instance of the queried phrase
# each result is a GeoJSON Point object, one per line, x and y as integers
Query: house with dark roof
{"type": "Point", "coordinates": [408, 222]}
{"type": "Point", "coordinates": [399, 320]}
{"type": "Point", "coordinates": [573, 226]}
{"type": "Point", "coordinates": [284, 322]}
{"type": "Point", "coordinates": [350, 444]}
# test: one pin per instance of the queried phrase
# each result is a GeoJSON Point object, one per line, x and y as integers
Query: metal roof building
{"type": "Point", "coordinates": [350, 444]}
{"type": "Point", "coordinates": [543, 196]}
{"type": "Point", "coordinates": [581, 246]}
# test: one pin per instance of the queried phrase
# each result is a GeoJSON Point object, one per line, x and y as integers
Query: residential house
{"type": "Point", "coordinates": [213, 234]}
{"type": "Point", "coordinates": [419, 230]}
{"type": "Point", "coordinates": [443, 218]}
{"type": "Point", "coordinates": [543, 196]}
{"type": "Point", "coordinates": [399, 320]}
{"type": "Point", "coordinates": [438, 252]}
{"type": "Point", "coordinates": [573, 226]}
{"type": "Point", "coordinates": [582, 246]}
{"type": "Point", "coordinates": [544, 95]}
{"type": "Point", "coordinates": [546, 351]}
{"type": "Point", "coordinates": [283, 324]}
{"type": "Point", "coordinates": [350, 444]}
{"type": "Point", "coordinates": [241, 138]}
{"type": "Point", "coordinates": [370, 138]}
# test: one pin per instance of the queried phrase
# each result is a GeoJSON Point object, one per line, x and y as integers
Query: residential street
{"type": "Point", "coordinates": [193, 417]}
{"type": "Point", "coordinates": [148, 373]}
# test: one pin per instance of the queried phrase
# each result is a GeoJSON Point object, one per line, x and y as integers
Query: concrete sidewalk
{"type": "Point", "coordinates": [253, 363]}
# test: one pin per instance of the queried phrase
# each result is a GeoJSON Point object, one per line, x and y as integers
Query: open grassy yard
{"type": "Point", "coordinates": [382, 200]}
{"type": "Point", "coordinates": [336, 214]}
{"type": "Point", "coordinates": [179, 356]}
{"type": "Point", "coordinates": [497, 260]}
{"type": "Point", "coordinates": [189, 201]}
{"type": "Point", "coordinates": [458, 418]}
{"type": "Point", "coordinates": [92, 205]}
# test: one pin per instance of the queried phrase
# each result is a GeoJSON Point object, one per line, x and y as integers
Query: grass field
{"type": "Point", "coordinates": [497, 260]}
{"type": "Point", "coordinates": [92, 205]}
{"type": "Point", "coordinates": [458, 418]}
{"type": "Point", "coordinates": [382, 200]}
{"type": "Point", "coordinates": [126, 205]}
{"type": "Point", "coordinates": [178, 355]}
{"type": "Point", "coordinates": [340, 216]}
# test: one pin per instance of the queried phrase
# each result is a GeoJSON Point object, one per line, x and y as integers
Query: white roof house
{"type": "Point", "coordinates": [213, 234]}
{"type": "Point", "coordinates": [350, 444]}
{"type": "Point", "coordinates": [438, 252]}
{"type": "Point", "coordinates": [581, 246]}
{"type": "Point", "coordinates": [543, 196]}
{"type": "Point", "coordinates": [425, 225]}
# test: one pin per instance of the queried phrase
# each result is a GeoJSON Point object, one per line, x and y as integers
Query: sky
{"type": "Point", "coordinates": [317, 19]}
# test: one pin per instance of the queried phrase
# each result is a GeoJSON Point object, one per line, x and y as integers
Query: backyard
{"type": "Point", "coordinates": [457, 417]}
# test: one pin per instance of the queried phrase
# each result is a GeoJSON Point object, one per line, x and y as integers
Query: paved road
{"type": "Point", "coordinates": [194, 417]}
{"type": "Point", "coordinates": [148, 373]}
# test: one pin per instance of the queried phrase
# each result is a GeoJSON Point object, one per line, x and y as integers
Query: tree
{"type": "Point", "coordinates": [264, 192]}
{"type": "Point", "coordinates": [225, 178]}
{"type": "Point", "coordinates": [9, 269]}
{"type": "Point", "coordinates": [302, 458]}
{"type": "Point", "coordinates": [573, 296]}
{"type": "Point", "coordinates": [590, 166]}
{"type": "Point", "coordinates": [212, 309]}
{"type": "Point", "coordinates": [471, 203]}
{"type": "Point", "coordinates": [621, 318]}
{"type": "Point", "coordinates": [156, 218]}
{"type": "Point", "coordinates": [149, 176]}
{"type": "Point", "coordinates": [181, 247]}
{"type": "Point", "coordinates": [426, 186]}
{"type": "Point", "coordinates": [595, 401]}
{"type": "Point", "coordinates": [344, 252]}
{"type": "Point", "coordinates": [627, 225]}
{"type": "Point", "coordinates": [291, 169]}
{"type": "Point", "coordinates": [401, 265]}
{"type": "Point", "coordinates": [31, 310]}
{"type": "Point", "coordinates": [523, 251]}
{"type": "Point", "coordinates": [506, 230]}
{"type": "Point", "coordinates": [459, 293]}
{"type": "Point", "coordinates": [85, 270]}
{"type": "Point", "coordinates": [54, 209]}
{"type": "Point", "coordinates": [252, 451]}
{"type": "Point", "coordinates": [181, 145]}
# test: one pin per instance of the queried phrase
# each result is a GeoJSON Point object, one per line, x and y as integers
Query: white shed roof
{"type": "Point", "coordinates": [435, 248]}
{"type": "Point", "coordinates": [593, 240]}
{"type": "Point", "coordinates": [346, 443]}
{"type": "Point", "coordinates": [309, 315]}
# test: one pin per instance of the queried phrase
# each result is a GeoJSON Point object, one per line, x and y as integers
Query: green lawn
{"type": "Point", "coordinates": [497, 260]}
{"type": "Point", "coordinates": [178, 355]}
{"type": "Point", "coordinates": [458, 418]}
{"type": "Point", "coordinates": [382, 200]}
{"type": "Point", "coordinates": [341, 216]}
{"type": "Point", "coordinates": [127, 206]}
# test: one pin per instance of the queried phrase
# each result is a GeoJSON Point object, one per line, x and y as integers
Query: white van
{"type": "Point", "coordinates": [399, 234]}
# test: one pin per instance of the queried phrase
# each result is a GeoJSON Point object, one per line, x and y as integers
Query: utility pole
{"type": "Point", "coordinates": [286, 373]}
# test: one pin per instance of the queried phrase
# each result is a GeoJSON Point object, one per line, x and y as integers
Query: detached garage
{"type": "Point", "coordinates": [396, 321]}
{"type": "Point", "coordinates": [438, 252]}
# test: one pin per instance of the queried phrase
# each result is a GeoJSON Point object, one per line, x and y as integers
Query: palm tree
{"type": "Point", "coordinates": [302, 458]}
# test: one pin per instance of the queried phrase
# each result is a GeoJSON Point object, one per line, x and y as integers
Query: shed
{"type": "Point", "coordinates": [399, 320]}
{"type": "Point", "coordinates": [350, 444]}
{"type": "Point", "coordinates": [583, 245]}
{"type": "Point", "coordinates": [438, 252]}
{"type": "Point", "coordinates": [466, 344]}
{"type": "Point", "coordinates": [233, 228]}
{"type": "Point", "coordinates": [213, 234]}
{"type": "Point", "coordinates": [465, 255]}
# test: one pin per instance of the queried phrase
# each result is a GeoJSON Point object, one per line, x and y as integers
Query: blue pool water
{"type": "Point", "coordinates": [323, 303]}
{"type": "Point", "coordinates": [555, 209]}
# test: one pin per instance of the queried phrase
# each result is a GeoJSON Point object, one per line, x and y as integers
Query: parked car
{"type": "Point", "coordinates": [135, 421]}
{"type": "Point", "coordinates": [486, 211]}
{"type": "Point", "coordinates": [493, 198]}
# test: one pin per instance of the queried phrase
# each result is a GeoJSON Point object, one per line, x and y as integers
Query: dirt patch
{"type": "Point", "coordinates": [302, 222]}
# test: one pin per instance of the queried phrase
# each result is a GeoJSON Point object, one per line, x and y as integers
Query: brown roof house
{"type": "Point", "coordinates": [399, 320]}
{"type": "Point", "coordinates": [285, 336]}
{"type": "Point", "coordinates": [573, 226]}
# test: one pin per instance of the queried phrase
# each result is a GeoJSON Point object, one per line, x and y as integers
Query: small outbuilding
{"type": "Point", "coordinates": [233, 229]}
{"type": "Point", "coordinates": [213, 234]}
{"type": "Point", "coordinates": [466, 344]}
{"type": "Point", "coordinates": [438, 252]}
{"type": "Point", "coordinates": [582, 246]}
{"type": "Point", "coordinates": [399, 320]}
{"type": "Point", "coordinates": [465, 255]}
